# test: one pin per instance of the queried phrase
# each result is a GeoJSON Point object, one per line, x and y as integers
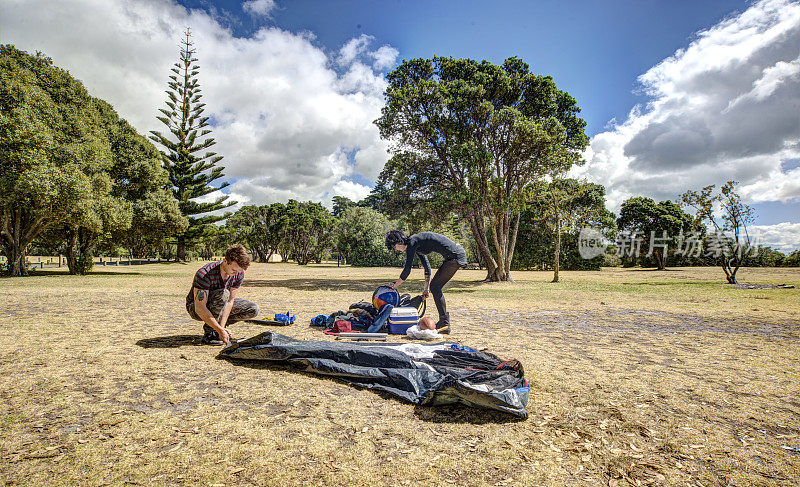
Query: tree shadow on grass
{"type": "Point", "coordinates": [458, 413]}
{"type": "Point", "coordinates": [64, 272]}
{"type": "Point", "coordinates": [172, 341]}
{"type": "Point", "coordinates": [360, 286]}
{"type": "Point", "coordinates": [432, 414]}
{"type": "Point", "coordinates": [653, 269]}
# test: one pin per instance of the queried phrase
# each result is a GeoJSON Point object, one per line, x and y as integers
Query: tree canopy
{"type": "Point", "coordinates": [360, 234]}
{"type": "Point", "coordinates": [470, 137]}
{"type": "Point", "coordinates": [73, 172]}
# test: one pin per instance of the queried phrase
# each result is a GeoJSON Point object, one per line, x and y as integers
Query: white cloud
{"type": "Point", "coordinates": [385, 57]}
{"type": "Point", "coordinates": [259, 7]}
{"type": "Point", "coordinates": [354, 48]}
{"type": "Point", "coordinates": [239, 199]}
{"type": "Point", "coordinates": [283, 118]}
{"type": "Point", "coordinates": [351, 190]}
{"type": "Point", "coordinates": [771, 78]}
{"type": "Point", "coordinates": [783, 236]}
{"type": "Point", "coordinates": [724, 108]}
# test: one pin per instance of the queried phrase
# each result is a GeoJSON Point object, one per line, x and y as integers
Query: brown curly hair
{"type": "Point", "coordinates": [237, 253]}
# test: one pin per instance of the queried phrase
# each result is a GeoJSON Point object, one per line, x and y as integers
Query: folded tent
{"type": "Point", "coordinates": [425, 374]}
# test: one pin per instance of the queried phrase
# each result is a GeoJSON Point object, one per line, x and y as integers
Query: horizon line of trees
{"type": "Point", "coordinates": [355, 231]}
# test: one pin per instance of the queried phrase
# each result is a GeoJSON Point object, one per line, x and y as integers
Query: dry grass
{"type": "Point", "coordinates": [637, 377]}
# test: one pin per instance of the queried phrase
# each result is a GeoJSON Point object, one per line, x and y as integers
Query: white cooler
{"type": "Point", "coordinates": [401, 319]}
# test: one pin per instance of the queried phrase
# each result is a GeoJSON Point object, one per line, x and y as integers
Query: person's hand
{"type": "Point", "coordinates": [391, 285]}
{"type": "Point", "coordinates": [426, 294]}
{"type": "Point", "coordinates": [224, 335]}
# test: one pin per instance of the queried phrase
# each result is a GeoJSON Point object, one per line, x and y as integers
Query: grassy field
{"type": "Point", "coordinates": [637, 377]}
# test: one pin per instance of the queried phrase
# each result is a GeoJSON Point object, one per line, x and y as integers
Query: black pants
{"type": "Point", "coordinates": [242, 308]}
{"type": "Point", "coordinates": [445, 272]}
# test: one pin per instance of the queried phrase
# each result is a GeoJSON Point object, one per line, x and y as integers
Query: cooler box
{"type": "Point", "coordinates": [401, 319]}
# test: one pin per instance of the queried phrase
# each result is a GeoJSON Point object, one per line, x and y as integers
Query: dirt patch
{"type": "Point", "coordinates": [634, 321]}
{"type": "Point", "coordinates": [743, 285]}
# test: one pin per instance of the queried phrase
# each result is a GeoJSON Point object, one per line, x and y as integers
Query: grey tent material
{"type": "Point", "coordinates": [425, 374]}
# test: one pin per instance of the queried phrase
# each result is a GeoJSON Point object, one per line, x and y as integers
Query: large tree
{"type": "Point", "coordinates": [658, 226]}
{"type": "Point", "coordinates": [469, 137]}
{"type": "Point", "coordinates": [135, 210]}
{"type": "Point", "coordinates": [53, 152]}
{"type": "Point", "coordinates": [191, 166]}
{"type": "Point", "coordinates": [139, 178]}
{"type": "Point", "coordinates": [730, 241]}
{"type": "Point", "coordinates": [127, 205]}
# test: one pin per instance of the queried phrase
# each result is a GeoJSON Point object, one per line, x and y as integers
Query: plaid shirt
{"type": "Point", "coordinates": [209, 277]}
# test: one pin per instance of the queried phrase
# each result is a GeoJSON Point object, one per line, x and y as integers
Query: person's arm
{"type": "Point", "coordinates": [226, 311]}
{"type": "Point", "coordinates": [426, 265]}
{"type": "Point", "coordinates": [200, 300]}
{"type": "Point", "coordinates": [411, 251]}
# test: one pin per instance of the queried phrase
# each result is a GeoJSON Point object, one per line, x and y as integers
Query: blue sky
{"type": "Point", "coordinates": [676, 94]}
{"type": "Point", "coordinates": [594, 49]}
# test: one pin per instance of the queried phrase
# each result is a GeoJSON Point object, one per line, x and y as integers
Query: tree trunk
{"type": "Point", "coordinates": [512, 245]}
{"type": "Point", "coordinates": [181, 253]}
{"type": "Point", "coordinates": [730, 270]}
{"type": "Point", "coordinates": [72, 251]}
{"type": "Point", "coordinates": [557, 252]}
{"type": "Point", "coordinates": [10, 236]}
{"type": "Point", "coordinates": [658, 256]}
{"type": "Point", "coordinates": [15, 257]}
{"type": "Point", "coordinates": [476, 228]}
{"type": "Point", "coordinates": [494, 271]}
{"type": "Point", "coordinates": [19, 228]}
{"type": "Point", "coordinates": [495, 227]}
{"type": "Point", "coordinates": [79, 251]}
{"type": "Point", "coordinates": [16, 261]}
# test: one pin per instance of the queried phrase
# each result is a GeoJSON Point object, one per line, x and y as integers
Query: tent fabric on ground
{"type": "Point", "coordinates": [424, 374]}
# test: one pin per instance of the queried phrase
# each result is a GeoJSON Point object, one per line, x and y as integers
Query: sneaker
{"type": "Point", "coordinates": [443, 325]}
{"type": "Point", "coordinates": [211, 338]}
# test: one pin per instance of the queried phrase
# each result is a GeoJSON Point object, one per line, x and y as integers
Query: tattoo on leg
{"type": "Point", "coordinates": [201, 295]}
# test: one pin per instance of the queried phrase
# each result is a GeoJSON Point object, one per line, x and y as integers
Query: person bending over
{"type": "Point", "coordinates": [422, 244]}
{"type": "Point", "coordinates": [213, 300]}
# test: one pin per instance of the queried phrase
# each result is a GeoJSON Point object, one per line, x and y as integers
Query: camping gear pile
{"type": "Point", "coordinates": [424, 374]}
{"type": "Point", "coordinates": [389, 312]}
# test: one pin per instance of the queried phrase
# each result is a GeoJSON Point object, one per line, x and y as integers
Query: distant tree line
{"type": "Point", "coordinates": [354, 232]}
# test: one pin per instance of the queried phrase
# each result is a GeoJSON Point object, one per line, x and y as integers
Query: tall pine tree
{"type": "Point", "coordinates": [191, 167]}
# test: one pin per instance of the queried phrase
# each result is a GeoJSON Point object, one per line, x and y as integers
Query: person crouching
{"type": "Point", "coordinates": [212, 298]}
